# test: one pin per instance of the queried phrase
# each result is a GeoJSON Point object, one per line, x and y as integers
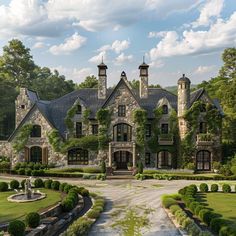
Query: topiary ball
{"type": "Point", "coordinates": [14, 184]}
{"type": "Point", "coordinates": [62, 186]}
{"type": "Point", "coordinates": [3, 186]}
{"type": "Point", "coordinates": [55, 185]}
{"type": "Point", "coordinates": [38, 183]}
{"type": "Point", "coordinates": [203, 187]}
{"type": "Point", "coordinates": [67, 205]}
{"type": "Point", "coordinates": [16, 228]}
{"type": "Point", "coordinates": [226, 188]}
{"type": "Point", "coordinates": [23, 183]}
{"type": "Point", "coordinates": [47, 183]}
{"type": "Point", "coordinates": [32, 219]}
{"type": "Point", "coordinates": [214, 187]}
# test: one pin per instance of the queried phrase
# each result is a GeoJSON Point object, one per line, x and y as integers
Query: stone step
{"type": "Point", "coordinates": [120, 177]}
{"type": "Point", "coordinates": [122, 172]}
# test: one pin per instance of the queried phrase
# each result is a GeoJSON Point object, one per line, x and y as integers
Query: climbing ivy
{"type": "Point", "coordinates": [104, 121]}
{"type": "Point", "coordinates": [140, 119]}
{"type": "Point", "coordinates": [55, 140]}
{"type": "Point", "coordinates": [85, 118]}
{"type": "Point", "coordinates": [22, 137]}
{"type": "Point", "coordinates": [69, 117]}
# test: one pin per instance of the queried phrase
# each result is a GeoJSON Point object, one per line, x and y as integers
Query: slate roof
{"type": "Point", "coordinates": [55, 111]}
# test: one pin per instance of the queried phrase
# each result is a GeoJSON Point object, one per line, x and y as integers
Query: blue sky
{"type": "Point", "coordinates": [176, 36]}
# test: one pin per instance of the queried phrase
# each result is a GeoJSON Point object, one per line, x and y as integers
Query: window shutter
{"type": "Point", "coordinates": [26, 154]}
{"type": "Point", "coordinates": [45, 155]}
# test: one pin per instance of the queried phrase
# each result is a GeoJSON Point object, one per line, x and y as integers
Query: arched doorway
{"type": "Point", "coordinates": [36, 154]}
{"type": "Point", "coordinates": [122, 132]}
{"type": "Point", "coordinates": [78, 156]}
{"type": "Point", "coordinates": [164, 160]}
{"type": "Point", "coordinates": [203, 160]}
{"type": "Point", "coordinates": [121, 158]}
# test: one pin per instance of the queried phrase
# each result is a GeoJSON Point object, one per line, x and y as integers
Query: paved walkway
{"type": "Point", "coordinates": [123, 195]}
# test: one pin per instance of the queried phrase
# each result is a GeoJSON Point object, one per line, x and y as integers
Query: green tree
{"type": "Point", "coordinates": [89, 82]}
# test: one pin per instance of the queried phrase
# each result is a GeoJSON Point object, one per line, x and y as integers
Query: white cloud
{"type": "Point", "coordinates": [220, 34]}
{"type": "Point", "coordinates": [71, 44]}
{"type": "Point", "coordinates": [123, 58]}
{"type": "Point", "coordinates": [204, 69]}
{"type": "Point", "coordinates": [154, 34]}
{"type": "Point", "coordinates": [210, 10]}
{"type": "Point", "coordinates": [39, 45]}
{"type": "Point", "coordinates": [157, 64]}
{"type": "Point", "coordinates": [98, 58]}
{"type": "Point", "coordinates": [117, 46]}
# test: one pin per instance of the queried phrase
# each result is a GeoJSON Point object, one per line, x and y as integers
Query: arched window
{"type": "Point", "coordinates": [122, 132]}
{"type": "Point", "coordinates": [165, 109]}
{"type": "Point", "coordinates": [203, 160]}
{"type": "Point", "coordinates": [79, 109]}
{"type": "Point", "coordinates": [36, 154]}
{"type": "Point", "coordinates": [36, 131]}
{"type": "Point", "coordinates": [78, 156]}
{"type": "Point", "coordinates": [164, 160]}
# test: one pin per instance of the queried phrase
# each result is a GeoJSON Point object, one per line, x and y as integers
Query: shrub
{"type": "Point", "coordinates": [17, 166]}
{"type": "Point", "coordinates": [5, 166]}
{"type": "Point", "coordinates": [92, 170]}
{"type": "Point", "coordinates": [101, 177]}
{"type": "Point", "coordinates": [226, 188]}
{"type": "Point", "coordinates": [174, 208]}
{"type": "Point", "coordinates": [206, 216]}
{"type": "Point", "coordinates": [93, 214]}
{"type": "Point", "coordinates": [3, 186]}
{"type": "Point", "coordinates": [217, 223]}
{"type": "Point", "coordinates": [16, 228]}
{"type": "Point", "coordinates": [103, 167]}
{"type": "Point", "coordinates": [62, 186]}
{"type": "Point", "coordinates": [55, 185]}
{"type": "Point", "coordinates": [38, 183]}
{"type": "Point", "coordinates": [227, 231]}
{"type": "Point", "coordinates": [140, 167]}
{"type": "Point", "coordinates": [67, 188]}
{"type": "Point", "coordinates": [168, 201]}
{"type": "Point", "coordinates": [32, 219]}
{"type": "Point", "coordinates": [214, 187]}
{"type": "Point", "coordinates": [98, 208]}
{"type": "Point", "coordinates": [14, 184]}
{"type": "Point", "coordinates": [84, 192]}
{"type": "Point", "coordinates": [23, 183]}
{"type": "Point", "coordinates": [74, 197]}
{"type": "Point", "coordinates": [198, 209]}
{"type": "Point", "coordinates": [28, 172]}
{"type": "Point", "coordinates": [21, 171]}
{"type": "Point", "coordinates": [47, 183]}
{"type": "Point", "coordinates": [37, 173]}
{"type": "Point", "coordinates": [203, 187]}
{"type": "Point", "coordinates": [193, 205]}
{"type": "Point", "coordinates": [67, 205]}
{"type": "Point", "coordinates": [182, 191]}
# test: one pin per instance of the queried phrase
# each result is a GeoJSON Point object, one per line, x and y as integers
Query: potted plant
{"type": "Point", "coordinates": [129, 166]}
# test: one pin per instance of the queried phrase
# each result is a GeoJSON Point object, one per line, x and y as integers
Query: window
{"type": "Point", "coordinates": [36, 154]}
{"type": "Point", "coordinates": [165, 109]}
{"type": "Point", "coordinates": [22, 106]}
{"type": "Point", "coordinates": [164, 128]}
{"type": "Point", "coordinates": [121, 110]}
{"type": "Point", "coordinates": [78, 131]}
{"type": "Point", "coordinates": [94, 129]}
{"type": "Point", "coordinates": [148, 130]}
{"type": "Point", "coordinates": [203, 127]}
{"type": "Point", "coordinates": [203, 108]}
{"type": "Point", "coordinates": [36, 131]}
{"type": "Point", "coordinates": [78, 156]}
{"type": "Point", "coordinates": [164, 160]}
{"type": "Point", "coordinates": [147, 158]}
{"type": "Point", "coordinates": [79, 109]}
{"type": "Point", "coordinates": [122, 133]}
{"type": "Point", "coordinates": [203, 160]}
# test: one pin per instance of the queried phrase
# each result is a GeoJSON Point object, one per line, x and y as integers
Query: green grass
{"type": "Point", "coordinates": [11, 210]}
{"type": "Point", "coordinates": [222, 203]}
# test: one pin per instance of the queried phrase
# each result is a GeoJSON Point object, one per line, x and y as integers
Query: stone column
{"type": "Point", "coordinates": [134, 154]}
{"type": "Point", "coordinates": [110, 156]}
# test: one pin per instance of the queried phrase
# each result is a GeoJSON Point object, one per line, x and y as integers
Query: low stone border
{"type": "Point", "coordinates": [11, 198]}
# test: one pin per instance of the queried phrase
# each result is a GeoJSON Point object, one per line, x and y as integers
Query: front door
{"type": "Point", "coordinates": [122, 158]}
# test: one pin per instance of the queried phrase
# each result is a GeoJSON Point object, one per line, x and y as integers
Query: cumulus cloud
{"type": "Point", "coordinates": [204, 69]}
{"type": "Point", "coordinates": [98, 58]}
{"type": "Point", "coordinates": [154, 34]}
{"type": "Point", "coordinates": [221, 34]}
{"type": "Point", "coordinates": [157, 64]}
{"type": "Point", "coordinates": [123, 58]}
{"type": "Point", "coordinates": [71, 44]}
{"type": "Point", "coordinates": [117, 46]}
{"type": "Point", "coordinates": [39, 45]}
{"type": "Point", "coordinates": [210, 10]}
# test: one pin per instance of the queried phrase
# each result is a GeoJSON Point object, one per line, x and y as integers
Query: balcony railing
{"type": "Point", "coordinates": [165, 139]}
{"type": "Point", "coordinates": [204, 139]}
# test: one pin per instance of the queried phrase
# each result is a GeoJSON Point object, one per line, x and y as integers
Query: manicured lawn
{"type": "Point", "coordinates": [222, 203]}
{"type": "Point", "coordinates": [11, 210]}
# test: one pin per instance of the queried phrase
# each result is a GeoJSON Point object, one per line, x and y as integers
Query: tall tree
{"type": "Point", "coordinates": [89, 82]}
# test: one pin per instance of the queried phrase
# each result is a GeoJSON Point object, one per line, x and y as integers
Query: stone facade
{"type": "Point", "coordinates": [122, 130]}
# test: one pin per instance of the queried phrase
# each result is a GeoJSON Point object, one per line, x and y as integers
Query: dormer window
{"type": "Point", "coordinates": [22, 106]}
{"type": "Point", "coordinates": [121, 110]}
{"type": "Point", "coordinates": [79, 109]}
{"type": "Point", "coordinates": [165, 109]}
{"type": "Point", "coordinates": [36, 131]}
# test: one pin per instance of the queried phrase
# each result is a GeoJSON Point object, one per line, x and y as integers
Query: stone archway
{"type": "Point", "coordinates": [36, 154]}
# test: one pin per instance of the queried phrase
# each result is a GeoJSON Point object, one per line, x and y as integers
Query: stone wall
{"type": "Point", "coordinates": [5, 149]}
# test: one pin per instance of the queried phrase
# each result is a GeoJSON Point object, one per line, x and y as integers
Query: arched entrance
{"type": "Point", "coordinates": [164, 160]}
{"type": "Point", "coordinates": [36, 154]}
{"type": "Point", "coordinates": [203, 160]}
{"type": "Point", "coordinates": [121, 158]}
{"type": "Point", "coordinates": [78, 156]}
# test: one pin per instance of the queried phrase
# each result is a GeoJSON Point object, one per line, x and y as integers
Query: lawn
{"type": "Point", "coordinates": [11, 210]}
{"type": "Point", "coordinates": [221, 203]}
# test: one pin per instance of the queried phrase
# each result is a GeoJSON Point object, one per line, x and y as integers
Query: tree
{"type": "Point", "coordinates": [135, 84]}
{"type": "Point", "coordinates": [89, 82]}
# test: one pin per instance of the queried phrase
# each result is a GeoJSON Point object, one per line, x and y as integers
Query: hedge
{"type": "Point", "coordinates": [203, 187]}
{"type": "Point", "coordinates": [14, 184]}
{"type": "Point", "coordinates": [16, 228]}
{"type": "Point", "coordinates": [38, 183]}
{"type": "Point", "coordinates": [168, 201]}
{"type": "Point", "coordinates": [32, 219]}
{"type": "Point", "coordinates": [214, 188]}
{"type": "Point", "coordinates": [226, 188]}
{"type": "Point", "coordinates": [3, 186]}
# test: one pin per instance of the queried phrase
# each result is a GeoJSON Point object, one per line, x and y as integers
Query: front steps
{"type": "Point", "coordinates": [121, 174]}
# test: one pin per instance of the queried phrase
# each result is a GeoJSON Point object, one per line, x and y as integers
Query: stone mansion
{"type": "Point", "coordinates": [122, 149]}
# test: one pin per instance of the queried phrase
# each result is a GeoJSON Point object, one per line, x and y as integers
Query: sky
{"type": "Point", "coordinates": [72, 36]}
